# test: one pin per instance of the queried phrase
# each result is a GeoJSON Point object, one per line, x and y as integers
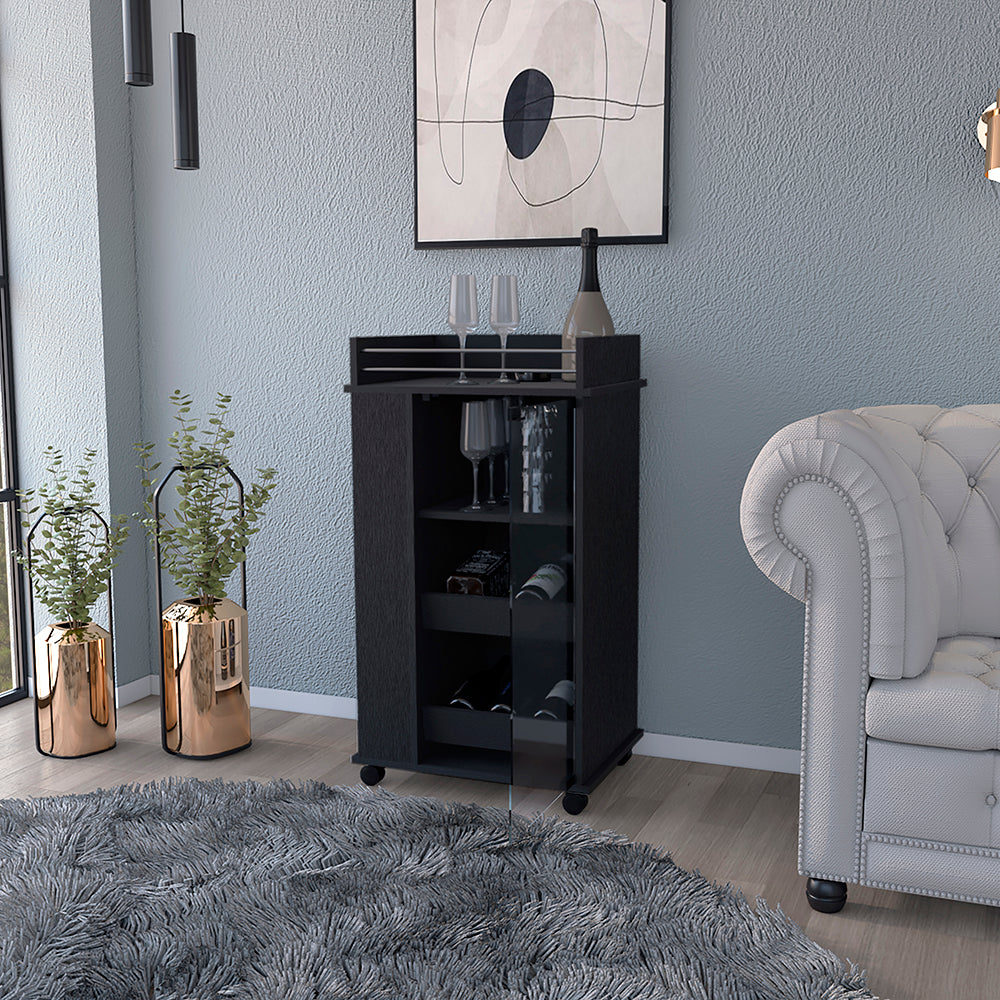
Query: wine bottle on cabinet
{"type": "Point", "coordinates": [588, 316]}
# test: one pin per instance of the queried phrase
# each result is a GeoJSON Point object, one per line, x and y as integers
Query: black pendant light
{"type": "Point", "coordinates": [138, 30]}
{"type": "Point", "coordinates": [182, 50]}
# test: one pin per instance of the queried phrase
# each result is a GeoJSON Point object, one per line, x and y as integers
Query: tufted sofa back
{"type": "Point", "coordinates": [954, 456]}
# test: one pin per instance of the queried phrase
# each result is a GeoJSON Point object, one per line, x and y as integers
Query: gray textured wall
{"type": "Point", "coordinates": [830, 246]}
{"type": "Point", "coordinates": [72, 266]}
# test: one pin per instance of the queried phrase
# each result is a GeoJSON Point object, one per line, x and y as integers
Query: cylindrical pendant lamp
{"type": "Point", "coordinates": [993, 142]}
{"type": "Point", "coordinates": [137, 27]}
{"type": "Point", "coordinates": [182, 49]}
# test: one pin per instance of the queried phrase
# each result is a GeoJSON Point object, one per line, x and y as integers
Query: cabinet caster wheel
{"type": "Point", "coordinates": [826, 897]}
{"type": "Point", "coordinates": [574, 803]}
{"type": "Point", "coordinates": [372, 774]}
{"type": "Point", "coordinates": [625, 759]}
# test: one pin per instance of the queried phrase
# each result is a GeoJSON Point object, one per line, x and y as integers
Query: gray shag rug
{"type": "Point", "coordinates": [191, 890]}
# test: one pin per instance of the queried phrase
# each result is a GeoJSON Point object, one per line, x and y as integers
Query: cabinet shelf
{"type": "Point", "coordinates": [466, 613]}
{"type": "Point", "coordinates": [463, 727]}
{"type": "Point", "coordinates": [554, 519]}
{"type": "Point", "coordinates": [453, 510]}
{"type": "Point", "coordinates": [460, 727]}
{"type": "Point", "coordinates": [465, 762]}
{"type": "Point", "coordinates": [549, 621]}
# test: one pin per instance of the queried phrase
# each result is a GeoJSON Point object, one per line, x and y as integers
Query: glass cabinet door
{"type": "Point", "coordinates": [541, 577]}
{"type": "Point", "coordinates": [495, 639]}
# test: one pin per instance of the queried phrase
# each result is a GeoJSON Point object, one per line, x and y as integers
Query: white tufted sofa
{"type": "Point", "coordinates": [885, 521]}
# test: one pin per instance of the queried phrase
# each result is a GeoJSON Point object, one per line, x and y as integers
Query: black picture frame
{"type": "Point", "coordinates": [441, 200]}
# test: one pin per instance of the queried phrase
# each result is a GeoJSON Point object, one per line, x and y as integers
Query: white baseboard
{"type": "Point", "coordinates": [260, 697]}
{"type": "Point", "coordinates": [651, 745]}
{"type": "Point", "coordinates": [309, 704]}
{"type": "Point", "coordinates": [137, 690]}
{"type": "Point", "coordinates": [719, 752]}
{"type": "Point", "coordinates": [124, 694]}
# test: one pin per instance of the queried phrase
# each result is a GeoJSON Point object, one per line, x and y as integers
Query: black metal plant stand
{"type": "Point", "coordinates": [159, 592]}
{"type": "Point", "coordinates": [66, 512]}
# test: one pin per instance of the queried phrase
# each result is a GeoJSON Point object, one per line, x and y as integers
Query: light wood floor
{"type": "Point", "coordinates": [734, 825]}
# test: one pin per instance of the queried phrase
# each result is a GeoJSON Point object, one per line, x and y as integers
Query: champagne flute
{"type": "Point", "coordinates": [498, 440]}
{"type": "Point", "coordinates": [463, 316]}
{"type": "Point", "coordinates": [505, 315]}
{"type": "Point", "coordinates": [475, 443]}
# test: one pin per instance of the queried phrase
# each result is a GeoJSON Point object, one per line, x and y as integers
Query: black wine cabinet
{"type": "Point", "coordinates": [566, 454]}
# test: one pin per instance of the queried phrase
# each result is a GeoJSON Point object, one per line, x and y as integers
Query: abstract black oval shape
{"type": "Point", "coordinates": [527, 112]}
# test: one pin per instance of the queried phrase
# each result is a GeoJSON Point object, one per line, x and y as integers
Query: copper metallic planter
{"type": "Point", "coordinates": [206, 689]}
{"type": "Point", "coordinates": [74, 671]}
{"type": "Point", "coordinates": [74, 691]}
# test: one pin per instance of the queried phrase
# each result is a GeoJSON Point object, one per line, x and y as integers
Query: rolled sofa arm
{"type": "Point", "coordinates": [832, 516]}
{"type": "Point", "coordinates": [840, 450]}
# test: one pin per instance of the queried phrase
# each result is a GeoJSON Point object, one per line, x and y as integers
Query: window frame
{"type": "Point", "coordinates": [19, 640]}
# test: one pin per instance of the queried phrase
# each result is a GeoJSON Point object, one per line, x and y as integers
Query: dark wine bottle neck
{"type": "Point", "coordinates": [588, 276]}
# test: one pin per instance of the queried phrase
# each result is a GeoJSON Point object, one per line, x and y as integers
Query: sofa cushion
{"type": "Point", "coordinates": [933, 794]}
{"type": "Point", "coordinates": [955, 703]}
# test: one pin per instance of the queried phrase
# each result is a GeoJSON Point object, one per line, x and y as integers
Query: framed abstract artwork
{"type": "Point", "coordinates": [534, 119]}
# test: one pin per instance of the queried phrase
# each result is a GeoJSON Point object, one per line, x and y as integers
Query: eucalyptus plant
{"type": "Point", "coordinates": [72, 560]}
{"type": "Point", "coordinates": [204, 539]}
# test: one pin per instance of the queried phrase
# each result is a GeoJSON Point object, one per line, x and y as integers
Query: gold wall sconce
{"type": "Point", "coordinates": [988, 131]}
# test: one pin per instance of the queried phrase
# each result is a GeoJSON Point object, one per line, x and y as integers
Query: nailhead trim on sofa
{"type": "Point", "coordinates": [866, 604]}
{"type": "Point", "coordinates": [931, 845]}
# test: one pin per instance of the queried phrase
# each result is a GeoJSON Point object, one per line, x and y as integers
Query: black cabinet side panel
{"type": "Point", "coordinates": [607, 571]}
{"type": "Point", "coordinates": [385, 602]}
{"type": "Point", "coordinates": [606, 360]}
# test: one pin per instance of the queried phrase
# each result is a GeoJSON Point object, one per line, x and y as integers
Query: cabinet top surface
{"type": "Point", "coordinates": [445, 386]}
{"type": "Point", "coordinates": [430, 365]}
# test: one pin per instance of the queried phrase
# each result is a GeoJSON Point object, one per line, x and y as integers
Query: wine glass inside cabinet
{"type": "Point", "coordinates": [496, 641]}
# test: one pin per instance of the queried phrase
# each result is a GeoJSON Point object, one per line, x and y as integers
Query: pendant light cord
{"type": "Point", "coordinates": [182, 15]}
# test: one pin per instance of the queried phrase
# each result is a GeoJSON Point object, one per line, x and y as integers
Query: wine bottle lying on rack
{"type": "Point", "coordinates": [547, 582]}
{"type": "Point", "coordinates": [486, 691]}
{"type": "Point", "coordinates": [558, 702]}
{"type": "Point", "coordinates": [504, 703]}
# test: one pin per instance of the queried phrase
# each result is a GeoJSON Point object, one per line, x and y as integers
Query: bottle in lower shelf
{"type": "Point", "coordinates": [558, 702]}
{"type": "Point", "coordinates": [486, 691]}
{"type": "Point", "coordinates": [503, 702]}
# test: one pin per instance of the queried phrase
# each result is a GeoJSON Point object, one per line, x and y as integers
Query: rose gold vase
{"type": "Point", "coordinates": [74, 690]}
{"type": "Point", "coordinates": [206, 690]}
